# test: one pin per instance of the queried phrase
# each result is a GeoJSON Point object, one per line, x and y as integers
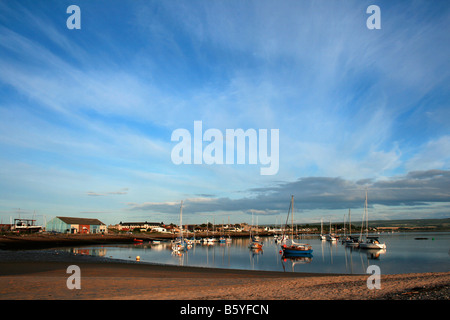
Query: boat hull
{"type": "Point", "coordinates": [296, 252]}
{"type": "Point", "coordinates": [296, 249]}
{"type": "Point", "coordinates": [255, 246]}
{"type": "Point", "coordinates": [351, 244]}
{"type": "Point", "coordinates": [372, 246]}
{"type": "Point", "coordinates": [304, 258]}
{"type": "Point", "coordinates": [179, 247]}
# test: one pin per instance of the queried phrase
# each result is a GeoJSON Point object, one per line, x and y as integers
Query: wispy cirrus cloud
{"type": "Point", "coordinates": [433, 154]}
{"type": "Point", "coordinates": [122, 191]}
{"type": "Point", "coordinates": [94, 194]}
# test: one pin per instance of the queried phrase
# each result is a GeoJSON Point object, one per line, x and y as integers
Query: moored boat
{"type": "Point", "coordinates": [295, 249]}
{"type": "Point", "coordinates": [211, 240]}
{"type": "Point", "coordinates": [351, 241]}
{"type": "Point", "coordinates": [292, 248]}
{"type": "Point", "coordinates": [322, 236]}
{"type": "Point", "coordinates": [330, 237]}
{"type": "Point", "coordinates": [255, 244]}
{"type": "Point", "coordinates": [180, 244]}
{"type": "Point", "coordinates": [370, 242]}
{"type": "Point", "coordinates": [281, 238]}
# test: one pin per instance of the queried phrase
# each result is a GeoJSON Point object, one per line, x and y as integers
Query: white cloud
{"type": "Point", "coordinates": [435, 154]}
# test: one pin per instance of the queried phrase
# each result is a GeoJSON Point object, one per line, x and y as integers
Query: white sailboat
{"type": "Point", "coordinates": [351, 241]}
{"type": "Point", "coordinates": [179, 244]}
{"type": "Point", "coordinates": [330, 236]}
{"type": "Point", "coordinates": [370, 242]}
{"type": "Point", "coordinates": [212, 239]}
{"type": "Point", "coordinates": [322, 236]}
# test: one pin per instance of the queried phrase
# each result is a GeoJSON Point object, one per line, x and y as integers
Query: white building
{"type": "Point", "coordinates": [143, 226]}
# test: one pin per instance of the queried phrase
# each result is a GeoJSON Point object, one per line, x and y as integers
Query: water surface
{"type": "Point", "coordinates": [404, 254]}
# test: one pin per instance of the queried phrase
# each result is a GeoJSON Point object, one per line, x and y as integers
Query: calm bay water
{"type": "Point", "coordinates": [404, 254]}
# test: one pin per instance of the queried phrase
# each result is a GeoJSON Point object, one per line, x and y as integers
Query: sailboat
{"type": "Point", "coordinates": [322, 236]}
{"type": "Point", "coordinates": [371, 242]}
{"type": "Point", "coordinates": [179, 244]}
{"type": "Point", "coordinates": [351, 241]}
{"type": "Point", "coordinates": [291, 248]}
{"type": "Point", "coordinates": [254, 239]}
{"type": "Point", "coordinates": [212, 239]}
{"type": "Point", "coordinates": [228, 239]}
{"type": "Point", "coordinates": [330, 236]}
{"type": "Point", "coordinates": [281, 237]}
{"type": "Point", "coordinates": [255, 244]}
{"type": "Point", "coordinates": [222, 236]}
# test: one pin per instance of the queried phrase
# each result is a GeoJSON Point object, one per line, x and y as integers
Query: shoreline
{"type": "Point", "coordinates": [42, 241]}
{"type": "Point", "coordinates": [42, 275]}
{"type": "Point", "coordinates": [46, 240]}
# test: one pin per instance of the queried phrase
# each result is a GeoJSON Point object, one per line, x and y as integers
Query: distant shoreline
{"type": "Point", "coordinates": [12, 241]}
{"type": "Point", "coordinates": [47, 240]}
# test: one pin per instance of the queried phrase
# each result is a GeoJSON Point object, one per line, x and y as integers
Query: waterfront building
{"type": "Point", "coordinates": [75, 225]}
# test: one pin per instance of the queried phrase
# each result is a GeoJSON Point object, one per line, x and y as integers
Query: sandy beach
{"type": "Point", "coordinates": [42, 275]}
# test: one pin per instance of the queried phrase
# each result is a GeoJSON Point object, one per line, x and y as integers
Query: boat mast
{"type": "Point", "coordinates": [181, 220]}
{"type": "Point", "coordinates": [367, 218]}
{"type": "Point", "coordinates": [349, 223]}
{"type": "Point", "coordinates": [256, 226]}
{"type": "Point", "coordinates": [292, 218]}
{"type": "Point", "coordinates": [287, 220]}
{"type": "Point", "coordinates": [251, 228]}
{"type": "Point", "coordinates": [344, 225]}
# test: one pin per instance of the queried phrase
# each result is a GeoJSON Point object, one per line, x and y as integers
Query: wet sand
{"type": "Point", "coordinates": [41, 274]}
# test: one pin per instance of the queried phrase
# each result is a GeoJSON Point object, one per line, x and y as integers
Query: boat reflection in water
{"type": "Point", "coordinates": [256, 251]}
{"type": "Point", "coordinates": [98, 252]}
{"type": "Point", "coordinates": [295, 259]}
{"type": "Point", "coordinates": [254, 255]}
{"type": "Point", "coordinates": [374, 254]}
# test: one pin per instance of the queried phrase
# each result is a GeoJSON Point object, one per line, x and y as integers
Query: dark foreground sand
{"type": "Point", "coordinates": [41, 274]}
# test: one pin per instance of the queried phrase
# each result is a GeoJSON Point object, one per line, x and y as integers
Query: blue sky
{"type": "Point", "coordinates": [86, 116]}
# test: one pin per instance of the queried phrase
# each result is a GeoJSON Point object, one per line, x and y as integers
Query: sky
{"type": "Point", "coordinates": [87, 115]}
